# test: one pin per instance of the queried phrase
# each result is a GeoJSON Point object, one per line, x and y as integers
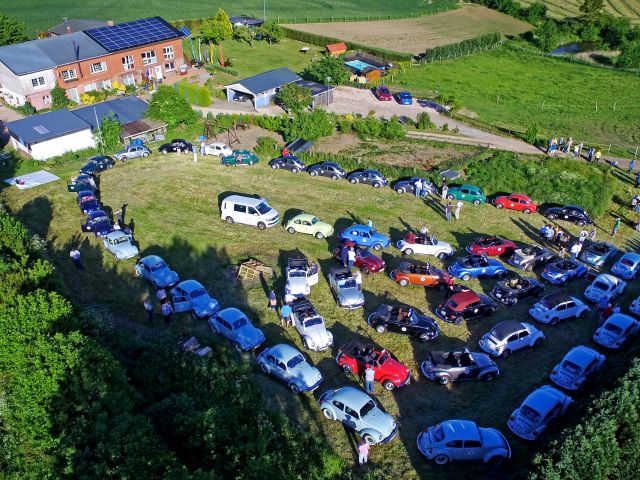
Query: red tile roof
{"type": "Point", "coordinates": [336, 47]}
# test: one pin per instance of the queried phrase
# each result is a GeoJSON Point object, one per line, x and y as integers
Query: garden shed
{"type": "Point", "coordinates": [263, 87]}
{"type": "Point", "coordinates": [337, 49]}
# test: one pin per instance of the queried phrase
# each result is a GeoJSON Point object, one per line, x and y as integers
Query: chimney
{"type": "Point", "coordinates": [109, 23]}
{"type": "Point", "coordinates": [68, 29]}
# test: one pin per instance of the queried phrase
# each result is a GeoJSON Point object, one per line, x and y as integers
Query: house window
{"type": "Point", "coordinates": [98, 67]}
{"type": "Point", "coordinates": [127, 62]}
{"type": "Point", "coordinates": [73, 95]}
{"type": "Point", "coordinates": [168, 52]}
{"type": "Point", "coordinates": [149, 58]}
{"type": "Point", "coordinates": [106, 84]}
{"type": "Point", "coordinates": [69, 74]}
{"type": "Point", "coordinates": [46, 99]}
{"type": "Point", "coordinates": [90, 87]}
{"type": "Point", "coordinates": [169, 66]}
{"type": "Point", "coordinates": [129, 79]}
{"type": "Point", "coordinates": [37, 82]}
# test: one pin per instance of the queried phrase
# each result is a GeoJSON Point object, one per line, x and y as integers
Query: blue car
{"type": "Point", "coordinates": [598, 253]}
{"type": "Point", "coordinates": [87, 201]}
{"type": "Point", "coordinates": [365, 236]}
{"type": "Point", "coordinates": [627, 267]}
{"type": "Point", "coordinates": [404, 98]}
{"type": "Point", "coordinates": [97, 165]}
{"type": "Point", "coordinates": [234, 325]}
{"type": "Point", "coordinates": [97, 222]}
{"type": "Point", "coordinates": [563, 270]}
{"type": "Point", "coordinates": [475, 266]}
{"type": "Point", "coordinates": [155, 269]}
{"type": "Point", "coordinates": [289, 365]}
{"type": "Point", "coordinates": [190, 295]}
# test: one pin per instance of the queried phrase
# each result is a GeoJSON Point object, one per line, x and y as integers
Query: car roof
{"type": "Point", "coordinates": [605, 277]}
{"type": "Point", "coordinates": [621, 320]}
{"type": "Point", "coordinates": [219, 144]}
{"type": "Point", "coordinates": [98, 213]}
{"type": "Point", "coordinates": [241, 151]}
{"type": "Point", "coordinates": [251, 201]}
{"type": "Point", "coordinates": [283, 351]}
{"type": "Point", "coordinates": [116, 234]}
{"type": "Point", "coordinates": [559, 297]}
{"type": "Point", "coordinates": [354, 397]}
{"type": "Point", "coordinates": [372, 170]}
{"type": "Point", "coordinates": [543, 399]}
{"type": "Point", "coordinates": [303, 216]}
{"type": "Point", "coordinates": [189, 285]}
{"type": "Point", "coordinates": [151, 259]}
{"type": "Point", "coordinates": [460, 430]}
{"type": "Point", "coordinates": [333, 164]}
{"type": "Point", "coordinates": [231, 314]}
{"type": "Point", "coordinates": [464, 299]}
{"type": "Point", "coordinates": [520, 195]}
{"type": "Point", "coordinates": [632, 256]}
{"type": "Point", "coordinates": [468, 185]}
{"type": "Point", "coordinates": [581, 355]}
{"type": "Point", "coordinates": [506, 328]}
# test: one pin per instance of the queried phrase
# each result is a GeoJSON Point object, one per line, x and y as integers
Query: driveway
{"type": "Point", "coordinates": [9, 115]}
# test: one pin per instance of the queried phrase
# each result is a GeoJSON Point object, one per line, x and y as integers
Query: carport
{"type": "Point", "coordinates": [263, 87]}
{"type": "Point", "coordinates": [322, 94]}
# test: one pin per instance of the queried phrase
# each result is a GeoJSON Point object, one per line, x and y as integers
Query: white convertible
{"type": "Point", "coordinates": [425, 245]}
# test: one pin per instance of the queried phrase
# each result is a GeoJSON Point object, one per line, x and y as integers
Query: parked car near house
{"type": "Point", "coordinates": [424, 245]}
{"type": "Point", "coordinates": [512, 290]}
{"type": "Point", "coordinates": [468, 193]}
{"type": "Point", "coordinates": [627, 267]}
{"type": "Point", "coordinates": [132, 151]}
{"type": "Point", "coordinates": [345, 289]}
{"type": "Point", "coordinates": [516, 201]}
{"type": "Point", "coordinates": [477, 266]}
{"type": "Point", "coordinates": [424, 275]}
{"type": "Point", "coordinates": [383, 94]}
{"type": "Point", "coordinates": [219, 149]}
{"type": "Point", "coordinates": [369, 177]}
{"type": "Point", "coordinates": [569, 213]}
{"type": "Point", "coordinates": [604, 284]}
{"type": "Point", "coordinates": [97, 222]}
{"type": "Point", "coordinates": [561, 271]}
{"type": "Point", "coordinates": [558, 306]}
{"type": "Point", "coordinates": [409, 186]}
{"type": "Point", "coordinates": [327, 169]}
{"type": "Point", "coordinates": [87, 201]}
{"type": "Point", "coordinates": [288, 162]}
{"type": "Point", "coordinates": [491, 245]}
{"type": "Point", "coordinates": [236, 327]}
{"type": "Point", "coordinates": [288, 365]}
{"type": "Point", "coordinates": [404, 98]}
{"type": "Point", "coordinates": [191, 296]}
{"type": "Point", "coordinates": [366, 261]}
{"type": "Point", "coordinates": [538, 411]}
{"type": "Point", "coordinates": [509, 336]}
{"type": "Point", "coordinates": [403, 320]}
{"type": "Point", "coordinates": [532, 256]}
{"type": "Point", "coordinates": [454, 366]}
{"type": "Point", "coordinates": [358, 412]}
{"type": "Point", "coordinates": [239, 157]}
{"type": "Point", "coordinates": [365, 236]}
{"type": "Point", "coordinates": [355, 356]}
{"type": "Point", "coordinates": [97, 165]}
{"type": "Point", "coordinates": [155, 270]}
{"type": "Point", "coordinates": [577, 367]}
{"type": "Point", "coordinates": [617, 331]}
{"type": "Point", "coordinates": [174, 145]}
{"type": "Point", "coordinates": [463, 440]}
{"type": "Point", "coordinates": [465, 306]}
{"type": "Point", "coordinates": [598, 253]}
{"type": "Point", "coordinates": [120, 245]}
{"type": "Point", "coordinates": [310, 325]}
{"type": "Point", "coordinates": [309, 224]}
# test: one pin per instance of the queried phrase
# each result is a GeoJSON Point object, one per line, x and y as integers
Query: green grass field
{"type": "Point", "coordinates": [174, 204]}
{"type": "Point", "coordinates": [45, 15]}
{"type": "Point", "coordinates": [571, 8]}
{"type": "Point", "coordinates": [508, 89]}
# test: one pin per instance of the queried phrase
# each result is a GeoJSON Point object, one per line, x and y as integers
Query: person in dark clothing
{"type": "Point", "coordinates": [148, 306]}
{"type": "Point", "coordinates": [167, 312]}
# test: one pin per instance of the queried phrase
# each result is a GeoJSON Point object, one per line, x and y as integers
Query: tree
{"type": "Point", "coordinates": [243, 34]}
{"type": "Point", "coordinates": [59, 98]}
{"type": "Point", "coordinates": [109, 134]}
{"type": "Point", "coordinates": [630, 55]}
{"type": "Point", "coordinates": [11, 31]}
{"type": "Point", "coordinates": [547, 35]}
{"type": "Point", "coordinates": [222, 19]}
{"type": "Point", "coordinates": [294, 97]}
{"type": "Point", "coordinates": [311, 125]}
{"type": "Point", "coordinates": [271, 32]}
{"type": "Point", "coordinates": [332, 67]}
{"type": "Point", "coordinates": [169, 106]}
{"type": "Point", "coordinates": [614, 30]}
{"type": "Point", "coordinates": [535, 13]}
{"type": "Point", "coordinates": [211, 32]}
{"type": "Point", "coordinates": [591, 10]}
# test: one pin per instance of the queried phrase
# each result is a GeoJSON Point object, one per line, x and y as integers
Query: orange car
{"type": "Point", "coordinates": [425, 275]}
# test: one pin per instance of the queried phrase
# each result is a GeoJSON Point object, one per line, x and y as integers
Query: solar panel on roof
{"type": "Point", "coordinates": [133, 34]}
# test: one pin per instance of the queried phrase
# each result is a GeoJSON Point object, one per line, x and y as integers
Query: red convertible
{"type": "Point", "coordinates": [491, 246]}
{"type": "Point", "coordinates": [366, 261]}
{"type": "Point", "coordinates": [354, 358]}
{"type": "Point", "coordinates": [516, 201]}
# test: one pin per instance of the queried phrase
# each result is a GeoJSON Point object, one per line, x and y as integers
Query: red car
{"type": "Point", "coordinates": [516, 201]}
{"type": "Point", "coordinates": [425, 275]}
{"type": "Point", "coordinates": [366, 261]}
{"type": "Point", "coordinates": [491, 245]}
{"type": "Point", "coordinates": [383, 94]}
{"type": "Point", "coordinates": [354, 357]}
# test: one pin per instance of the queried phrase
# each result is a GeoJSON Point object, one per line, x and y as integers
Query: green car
{"type": "Point", "coordinates": [239, 157]}
{"type": "Point", "coordinates": [468, 193]}
{"type": "Point", "coordinates": [309, 224]}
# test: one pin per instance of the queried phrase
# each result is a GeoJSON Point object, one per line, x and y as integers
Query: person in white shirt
{"type": "Point", "coordinates": [351, 257]}
{"type": "Point", "coordinates": [575, 250]}
{"type": "Point", "coordinates": [358, 278]}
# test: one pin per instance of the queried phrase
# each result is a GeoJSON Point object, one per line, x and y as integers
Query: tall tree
{"type": "Point", "coordinates": [332, 67]}
{"type": "Point", "coordinates": [11, 31]}
{"type": "Point", "coordinates": [59, 98]}
{"type": "Point", "coordinates": [211, 32]}
{"type": "Point", "coordinates": [271, 32]}
{"type": "Point", "coordinates": [294, 97]}
{"type": "Point", "coordinates": [243, 34]}
{"type": "Point", "coordinates": [630, 55]}
{"type": "Point", "coordinates": [224, 24]}
{"type": "Point", "coordinates": [169, 106]}
{"type": "Point", "coordinates": [591, 10]}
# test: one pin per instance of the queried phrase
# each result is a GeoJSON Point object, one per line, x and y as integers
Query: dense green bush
{"type": "Point", "coordinates": [423, 121]}
{"type": "Point", "coordinates": [168, 105]}
{"type": "Point", "coordinates": [465, 47]}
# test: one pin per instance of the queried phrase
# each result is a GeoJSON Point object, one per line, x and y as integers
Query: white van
{"type": "Point", "coordinates": [249, 210]}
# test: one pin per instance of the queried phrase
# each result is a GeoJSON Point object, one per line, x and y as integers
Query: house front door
{"type": "Point", "coordinates": [158, 72]}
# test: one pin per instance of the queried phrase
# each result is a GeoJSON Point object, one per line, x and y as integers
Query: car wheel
{"type": "Point", "coordinates": [552, 216]}
{"type": "Point", "coordinates": [369, 439]}
{"type": "Point", "coordinates": [319, 235]}
{"type": "Point", "coordinates": [163, 152]}
{"type": "Point", "coordinates": [264, 368]}
{"type": "Point", "coordinates": [476, 202]}
{"type": "Point", "coordinates": [466, 277]}
{"type": "Point", "coordinates": [381, 329]}
{"type": "Point", "coordinates": [505, 353]}
{"type": "Point", "coordinates": [221, 157]}
{"type": "Point", "coordinates": [442, 256]}
{"type": "Point", "coordinates": [261, 225]}
{"type": "Point", "coordinates": [313, 173]}
{"type": "Point", "coordinates": [553, 321]}
{"type": "Point", "coordinates": [388, 385]}
{"type": "Point", "coordinates": [274, 166]}
{"type": "Point", "coordinates": [294, 388]}
{"type": "Point", "coordinates": [487, 377]}
{"type": "Point", "coordinates": [376, 185]}
{"type": "Point", "coordinates": [334, 177]}
{"type": "Point", "coordinates": [400, 190]}
{"type": "Point", "coordinates": [526, 211]}
{"type": "Point", "coordinates": [294, 170]}
{"type": "Point", "coordinates": [238, 347]}
{"type": "Point", "coordinates": [496, 461]}
{"type": "Point", "coordinates": [489, 312]}
{"type": "Point", "coordinates": [353, 181]}
{"type": "Point", "coordinates": [403, 282]}
{"type": "Point", "coordinates": [408, 251]}
{"type": "Point", "coordinates": [528, 267]}
{"type": "Point", "coordinates": [328, 414]}
{"type": "Point", "coordinates": [139, 274]}
{"type": "Point", "coordinates": [441, 459]}
{"type": "Point", "coordinates": [499, 206]}
{"type": "Point", "coordinates": [514, 301]}
{"type": "Point", "coordinates": [458, 320]}
{"type": "Point", "coordinates": [365, 270]}
{"type": "Point", "coordinates": [444, 380]}
{"type": "Point", "coordinates": [251, 163]}
{"type": "Point", "coordinates": [229, 220]}
{"type": "Point", "coordinates": [581, 223]}
{"type": "Point", "coordinates": [291, 230]}
{"type": "Point", "coordinates": [377, 247]}
{"type": "Point", "coordinates": [425, 337]}
{"type": "Point", "coordinates": [346, 368]}
{"type": "Point", "coordinates": [538, 342]}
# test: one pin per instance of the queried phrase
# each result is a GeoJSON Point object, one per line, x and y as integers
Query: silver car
{"type": "Point", "coordinates": [344, 288]}
{"type": "Point", "coordinates": [300, 277]}
{"type": "Point", "coordinates": [616, 331]}
{"type": "Point", "coordinates": [538, 411]}
{"type": "Point", "coordinates": [463, 440]}
{"type": "Point", "coordinates": [509, 336]}
{"type": "Point", "coordinates": [120, 245]}
{"type": "Point", "coordinates": [558, 306]}
{"type": "Point", "coordinates": [133, 151]}
{"type": "Point", "coordinates": [289, 365]}
{"type": "Point", "coordinates": [577, 366]}
{"type": "Point", "coordinates": [360, 413]}
{"type": "Point", "coordinates": [310, 325]}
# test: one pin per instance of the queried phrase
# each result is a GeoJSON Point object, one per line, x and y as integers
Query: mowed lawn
{"type": "Point", "coordinates": [571, 8]}
{"type": "Point", "coordinates": [508, 89]}
{"type": "Point", "coordinates": [414, 35]}
{"type": "Point", "coordinates": [174, 204]}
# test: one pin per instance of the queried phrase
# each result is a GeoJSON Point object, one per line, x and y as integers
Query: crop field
{"type": "Point", "coordinates": [571, 8]}
{"type": "Point", "coordinates": [43, 15]}
{"type": "Point", "coordinates": [414, 35]}
{"type": "Point", "coordinates": [174, 204]}
{"type": "Point", "coordinates": [514, 89]}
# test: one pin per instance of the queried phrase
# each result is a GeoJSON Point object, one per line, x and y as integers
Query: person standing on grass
{"type": "Point", "coordinates": [167, 312]}
{"type": "Point", "coordinates": [445, 191]}
{"type": "Point", "coordinates": [363, 452]}
{"type": "Point", "coordinates": [203, 149]}
{"type": "Point", "coordinates": [344, 255]}
{"type": "Point", "coordinates": [457, 211]}
{"type": "Point", "coordinates": [638, 180]}
{"type": "Point", "coordinates": [567, 148]}
{"type": "Point", "coordinates": [75, 257]}
{"type": "Point", "coordinates": [285, 315]}
{"type": "Point", "coordinates": [161, 295]}
{"type": "Point", "coordinates": [148, 306]}
{"type": "Point", "coordinates": [550, 233]}
{"type": "Point", "coordinates": [273, 301]}
{"type": "Point", "coordinates": [447, 210]}
{"type": "Point", "coordinates": [369, 377]}
{"type": "Point", "coordinates": [582, 236]}
{"type": "Point", "coordinates": [418, 187]}
{"type": "Point", "coordinates": [575, 250]}
{"type": "Point", "coordinates": [616, 227]}
{"type": "Point", "coordinates": [543, 232]}
{"type": "Point", "coordinates": [120, 217]}
{"type": "Point", "coordinates": [598, 155]}
{"type": "Point", "coordinates": [632, 165]}
{"type": "Point", "coordinates": [195, 153]}
{"type": "Point", "coordinates": [351, 258]}
{"type": "Point", "coordinates": [358, 278]}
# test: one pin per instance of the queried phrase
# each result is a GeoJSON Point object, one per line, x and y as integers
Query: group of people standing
{"type": "Point", "coordinates": [448, 207]}
{"type": "Point", "coordinates": [166, 309]}
{"type": "Point", "coordinates": [553, 235]}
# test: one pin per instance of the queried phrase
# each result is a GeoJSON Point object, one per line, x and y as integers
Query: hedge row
{"type": "Point", "coordinates": [460, 49]}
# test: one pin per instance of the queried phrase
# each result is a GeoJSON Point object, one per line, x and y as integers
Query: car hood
{"type": "Point", "coordinates": [373, 262]}
{"type": "Point", "coordinates": [319, 334]}
{"type": "Point", "coordinates": [483, 360]}
{"type": "Point", "coordinates": [606, 337]}
{"type": "Point", "coordinates": [595, 293]}
{"type": "Point", "coordinates": [248, 335]}
{"type": "Point", "coordinates": [521, 424]}
{"type": "Point", "coordinates": [323, 226]}
{"type": "Point", "coordinates": [519, 256]}
{"type": "Point", "coordinates": [555, 272]}
{"type": "Point", "coordinates": [426, 323]}
{"type": "Point", "coordinates": [298, 285]}
{"type": "Point", "coordinates": [380, 421]}
{"type": "Point", "coordinates": [492, 438]}
{"type": "Point", "coordinates": [351, 296]}
{"type": "Point", "coordinates": [394, 367]}
{"type": "Point", "coordinates": [622, 269]}
{"type": "Point", "coordinates": [126, 249]}
{"type": "Point", "coordinates": [307, 374]}
{"type": "Point", "coordinates": [591, 257]}
{"type": "Point", "coordinates": [165, 277]}
{"type": "Point", "coordinates": [205, 305]}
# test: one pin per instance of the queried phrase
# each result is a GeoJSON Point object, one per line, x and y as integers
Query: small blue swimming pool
{"type": "Point", "coordinates": [358, 64]}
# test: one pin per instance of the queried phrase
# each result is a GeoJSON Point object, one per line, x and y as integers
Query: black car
{"type": "Point", "coordinates": [465, 306]}
{"type": "Point", "coordinates": [327, 169]}
{"type": "Point", "coordinates": [447, 367]}
{"type": "Point", "coordinates": [97, 165]}
{"type": "Point", "coordinates": [409, 186]}
{"type": "Point", "coordinates": [288, 162]}
{"type": "Point", "coordinates": [570, 213]}
{"type": "Point", "coordinates": [404, 320]}
{"type": "Point", "coordinates": [532, 256]}
{"type": "Point", "coordinates": [517, 288]}
{"type": "Point", "coordinates": [370, 177]}
{"type": "Point", "coordinates": [174, 145]}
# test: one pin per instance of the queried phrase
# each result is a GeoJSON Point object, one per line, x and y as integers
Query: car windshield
{"type": "Point", "coordinates": [123, 239]}
{"type": "Point", "coordinates": [348, 283]}
{"type": "Point", "coordinates": [529, 413]}
{"type": "Point", "coordinates": [610, 327]}
{"type": "Point", "coordinates": [158, 266]}
{"type": "Point", "coordinates": [383, 358]}
{"type": "Point", "coordinates": [198, 293]}
{"type": "Point", "coordinates": [295, 361]}
{"type": "Point", "coordinates": [100, 219]}
{"type": "Point", "coordinates": [367, 408]}
{"type": "Point", "coordinates": [241, 322]}
{"type": "Point", "coordinates": [297, 273]}
{"type": "Point", "coordinates": [571, 367]}
{"type": "Point", "coordinates": [314, 220]}
{"type": "Point", "coordinates": [263, 208]}
{"type": "Point", "coordinates": [438, 433]}
{"type": "Point", "coordinates": [626, 262]}
{"type": "Point", "coordinates": [547, 303]}
{"type": "Point", "coordinates": [312, 321]}
{"type": "Point", "coordinates": [600, 285]}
